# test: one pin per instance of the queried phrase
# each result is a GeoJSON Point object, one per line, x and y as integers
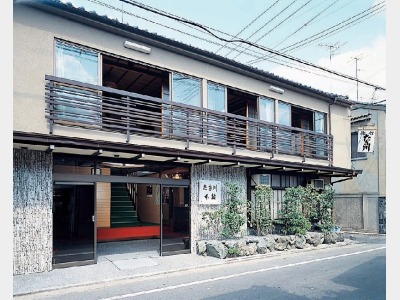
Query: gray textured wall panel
{"type": "Point", "coordinates": [348, 212]}
{"type": "Point", "coordinates": [32, 211]}
{"type": "Point", "coordinates": [205, 172]}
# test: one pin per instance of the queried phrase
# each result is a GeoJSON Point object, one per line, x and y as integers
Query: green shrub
{"type": "Point", "coordinates": [291, 216]}
{"type": "Point", "coordinates": [211, 227]}
{"type": "Point", "coordinates": [327, 202]}
{"type": "Point", "coordinates": [233, 215]}
{"type": "Point", "coordinates": [233, 252]}
{"type": "Point", "coordinates": [260, 210]}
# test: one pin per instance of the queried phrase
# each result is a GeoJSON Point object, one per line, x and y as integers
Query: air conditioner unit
{"type": "Point", "coordinates": [318, 184]}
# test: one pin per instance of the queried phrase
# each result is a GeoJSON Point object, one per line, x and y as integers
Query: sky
{"type": "Point", "coordinates": [345, 36]}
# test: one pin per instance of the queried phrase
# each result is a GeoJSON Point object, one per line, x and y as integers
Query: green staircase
{"type": "Point", "coordinates": [123, 213]}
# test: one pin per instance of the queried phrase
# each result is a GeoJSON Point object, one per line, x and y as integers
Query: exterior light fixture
{"type": "Point", "coordinates": [276, 89]}
{"type": "Point", "coordinates": [137, 47]}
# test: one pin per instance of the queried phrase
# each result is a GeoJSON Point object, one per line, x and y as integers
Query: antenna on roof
{"type": "Point", "coordinates": [332, 51]}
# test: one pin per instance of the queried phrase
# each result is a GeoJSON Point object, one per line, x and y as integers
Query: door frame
{"type": "Point", "coordinates": [178, 184]}
{"type": "Point", "coordinates": [94, 219]}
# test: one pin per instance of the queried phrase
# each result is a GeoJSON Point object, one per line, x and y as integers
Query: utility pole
{"type": "Point", "coordinates": [357, 58]}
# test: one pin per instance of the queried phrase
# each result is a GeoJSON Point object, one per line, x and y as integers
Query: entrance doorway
{"type": "Point", "coordinates": [175, 220]}
{"type": "Point", "coordinates": [73, 224]}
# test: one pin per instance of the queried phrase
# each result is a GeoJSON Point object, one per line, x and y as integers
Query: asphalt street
{"type": "Point", "coordinates": [354, 271]}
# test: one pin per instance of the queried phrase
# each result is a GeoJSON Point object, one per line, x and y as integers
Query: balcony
{"type": "Point", "coordinates": [76, 104]}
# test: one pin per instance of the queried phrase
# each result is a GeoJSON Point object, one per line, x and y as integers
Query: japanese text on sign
{"type": "Point", "coordinates": [209, 192]}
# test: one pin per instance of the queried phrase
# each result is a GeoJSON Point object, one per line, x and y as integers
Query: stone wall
{"type": "Point", "coordinates": [206, 172]}
{"type": "Point", "coordinates": [253, 245]}
{"type": "Point", "coordinates": [32, 211]}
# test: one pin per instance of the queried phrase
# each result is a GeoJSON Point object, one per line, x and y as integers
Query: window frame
{"type": "Point", "coordinates": [68, 113]}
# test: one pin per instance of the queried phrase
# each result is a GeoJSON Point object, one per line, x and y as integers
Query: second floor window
{"type": "Point", "coordinates": [185, 122]}
{"type": "Point", "coordinates": [77, 104]}
{"type": "Point", "coordinates": [267, 109]}
{"type": "Point", "coordinates": [76, 63]}
{"type": "Point", "coordinates": [284, 113]}
{"type": "Point", "coordinates": [216, 125]}
{"type": "Point", "coordinates": [186, 89]}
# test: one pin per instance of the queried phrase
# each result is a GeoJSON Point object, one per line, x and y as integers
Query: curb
{"type": "Point", "coordinates": [231, 260]}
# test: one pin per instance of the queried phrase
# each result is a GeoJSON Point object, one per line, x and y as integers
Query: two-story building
{"type": "Point", "coordinates": [361, 202]}
{"type": "Point", "coordinates": [120, 134]}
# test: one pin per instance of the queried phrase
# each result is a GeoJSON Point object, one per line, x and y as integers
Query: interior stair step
{"type": "Point", "coordinates": [123, 213]}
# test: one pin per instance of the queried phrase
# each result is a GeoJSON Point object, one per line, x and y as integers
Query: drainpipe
{"type": "Point", "coordinates": [330, 126]}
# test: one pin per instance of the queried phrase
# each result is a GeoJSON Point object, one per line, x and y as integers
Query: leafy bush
{"type": "Point", "coordinates": [212, 224]}
{"type": "Point", "coordinates": [311, 203]}
{"type": "Point", "coordinates": [327, 202]}
{"type": "Point", "coordinates": [233, 252]}
{"type": "Point", "coordinates": [261, 214]}
{"type": "Point", "coordinates": [233, 212]}
{"type": "Point", "coordinates": [291, 217]}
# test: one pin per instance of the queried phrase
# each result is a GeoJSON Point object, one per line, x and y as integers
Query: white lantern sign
{"type": "Point", "coordinates": [366, 139]}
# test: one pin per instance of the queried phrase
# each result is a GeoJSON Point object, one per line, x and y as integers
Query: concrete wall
{"type": "Point", "coordinates": [32, 211]}
{"type": "Point", "coordinates": [218, 173]}
{"type": "Point", "coordinates": [358, 212]}
{"type": "Point", "coordinates": [34, 33]}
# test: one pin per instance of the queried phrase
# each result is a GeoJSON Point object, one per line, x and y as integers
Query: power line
{"type": "Point", "coordinates": [276, 26]}
{"type": "Point", "coordinates": [305, 24]}
{"type": "Point", "coordinates": [250, 23]}
{"type": "Point", "coordinates": [330, 30]}
{"type": "Point", "coordinates": [355, 22]}
{"type": "Point", "coordinates": [269, 21]}
{"type": "Point", "coordinates": [182, 20]}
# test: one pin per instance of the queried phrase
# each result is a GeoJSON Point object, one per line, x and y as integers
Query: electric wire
{"type": "Point", "coordinates": [182, 20]}
{"type": "Point", "coordinates": [248, 25]}
{"type": "Point", "coordinates": [305, 24]}
{"type": "Point", "coordinates": [268, 57]}
{"type": "Point", "coordinates": [330, 30]}
{"type": "Point", "coordinates": [276, 26]}
{"type": "Point", "coordinates": [249, 43]}
{"type": "Point", "coordinates": [269, 21]}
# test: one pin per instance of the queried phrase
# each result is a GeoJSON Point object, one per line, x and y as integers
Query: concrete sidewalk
{"type": "Point", "coordinates": [119, 266]}
{"type": "Point", "coordinates": [109, 268]}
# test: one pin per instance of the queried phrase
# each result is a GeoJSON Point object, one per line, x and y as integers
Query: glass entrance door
{"type": "Point", "coordinates": [73, 224]}
{"type": "Point", "coordinates": [175, 220]}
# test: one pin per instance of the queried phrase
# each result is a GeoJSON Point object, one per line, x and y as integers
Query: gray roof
{"type": "Point", "coordinates": [104, 22]}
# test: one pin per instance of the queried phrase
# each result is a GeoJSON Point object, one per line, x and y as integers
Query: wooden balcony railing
{"type": "Point", "coordinates": [72, 103]}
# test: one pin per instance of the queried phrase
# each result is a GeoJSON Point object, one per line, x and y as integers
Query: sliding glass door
{"type": "Point", "coordinates": [175, 220]}
{"type": "Point", "coordinates": [73, 224]}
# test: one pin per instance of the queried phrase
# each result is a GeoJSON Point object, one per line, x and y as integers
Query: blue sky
{"type": "Point", "coordinates": [305, 29]}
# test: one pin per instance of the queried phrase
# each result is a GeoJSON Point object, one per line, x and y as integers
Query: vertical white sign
{"type": "Point", "coordinates": [209, 192]}
{"type": "Point", "coordinates": [366, 139]}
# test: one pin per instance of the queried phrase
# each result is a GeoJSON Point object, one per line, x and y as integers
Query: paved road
{"type": "Point", "coordinates": [355, 271]}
